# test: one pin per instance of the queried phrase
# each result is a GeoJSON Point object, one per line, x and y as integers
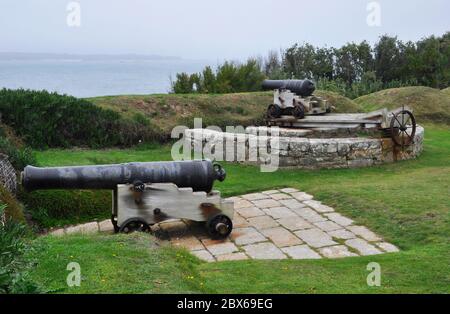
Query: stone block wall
{"type": "Point", "coordinates": [302, 152]}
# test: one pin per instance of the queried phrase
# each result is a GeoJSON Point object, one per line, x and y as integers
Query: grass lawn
{"type": "Point", "coordinates": [408, 203]}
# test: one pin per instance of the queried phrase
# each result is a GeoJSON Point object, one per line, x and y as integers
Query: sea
{"type": "Point", "coordinates": [91, 77]}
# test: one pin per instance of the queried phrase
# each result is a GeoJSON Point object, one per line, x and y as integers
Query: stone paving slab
{"type": "Point", "coordinates": [309, 214]}
{"type": "Point", "coordinates": [364, 233]}
{"type": "Point", "coordinates": [342, 234]}
{"type": "Point", "coordinates": [232, 257]}
{"type": "Point", "coordinates": [274, 224]}
{"type": "Point", "coordinates": [294, 223]}
{"type": "Point", "coordinates": [279, 212]}
{"type": "Point", "coordinates": [221, 248]}
{"type": "Point", "coordinates": [189, 242]}
{"type": "Point", "coordinates": [281, 237]}
{"type": "Point", "coordinates": [263, 222]}
{"type": "Point", "coordinates": [242, 236]}
{"type": "Point", "coordinates": [337, 251]}
{"type": "Point", "coordinates": [315, 237]}
{"type": "Point", "coordinates": [255, 196]}
{"type": "Point", "coordinates": [292, 203]}
{"type": "Point", "coordinates": [362, 247]}
{"type": "Point", "coordinates": [327, 225]}
{"type": "Point", "coordinates": [339, 219]}
{"type": "Point", "coordinates": [264, 250]}
{"type": "Point", "coordinates": [204, 255]}
{"type": "Point", "coordinates": [249, 212]}
{"type": "Point", "coordinates": [301, 252]}
{"type": "Point", "coordinates": [267, 203]}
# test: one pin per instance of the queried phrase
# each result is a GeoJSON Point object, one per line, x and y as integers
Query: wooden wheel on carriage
{"type": "Point", "coordinates": [403, 127]}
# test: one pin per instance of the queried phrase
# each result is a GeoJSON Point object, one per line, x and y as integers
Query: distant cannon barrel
{"type": "Point", "coordinates": [302, 88]}
{"type": "Point", "coordinates": [198, 174]}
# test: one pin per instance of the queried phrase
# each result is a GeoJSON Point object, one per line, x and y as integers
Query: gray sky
{"type": "Point", "coordinates": [208, 29]}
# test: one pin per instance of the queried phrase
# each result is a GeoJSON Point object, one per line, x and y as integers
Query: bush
{"type": "Point", "coordinates": [13, 264]}
{"type": "Point", "coordinates": [46, 119]}
{"type": "Point", "coordinates": [19, 157]}
{"type": "Point", "coordinates": [14, 209]}
{"type": "Point", "coordinates": [230, 77]}
{"type": "Point", "coordinates": [367, 85]}
{"type": "Point", "coordinates": [64, 207]}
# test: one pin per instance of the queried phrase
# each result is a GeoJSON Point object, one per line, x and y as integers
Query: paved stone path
{"type": "Point", "coordinates": [275, 224]}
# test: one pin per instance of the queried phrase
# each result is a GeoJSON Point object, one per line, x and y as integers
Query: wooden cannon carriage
{"type": "Point", "coordinates": [399, 124]}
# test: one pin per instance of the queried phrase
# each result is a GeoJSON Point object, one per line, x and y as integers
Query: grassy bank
{"type": "Point", "coordinates": [167, 111]}
{"type": "Point", "coordinates": [429, 104]}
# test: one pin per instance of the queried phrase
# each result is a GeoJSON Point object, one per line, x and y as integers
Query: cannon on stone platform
{"type": "Point", "coordinates": [294, 98]}
{"type": "Point", "coordinates": [146, 193]}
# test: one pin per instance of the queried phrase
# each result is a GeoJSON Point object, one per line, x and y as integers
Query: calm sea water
{"type": "Point", "coordinates": [95, 78]}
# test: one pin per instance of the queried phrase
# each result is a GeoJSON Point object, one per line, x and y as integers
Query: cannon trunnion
{"type": "Point", "coordinates": [146, 193]}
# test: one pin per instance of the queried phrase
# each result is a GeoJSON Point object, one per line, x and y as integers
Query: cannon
{"type": "Point", "coordinates": [146, 193]}
{"type": "Point", "coordinates": [294, 98]}
{"type": "Point", "coordinates": [303, 88]}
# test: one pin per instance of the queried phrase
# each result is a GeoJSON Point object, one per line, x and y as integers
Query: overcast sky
{"type": "Point", "coordinates": [208, 29]}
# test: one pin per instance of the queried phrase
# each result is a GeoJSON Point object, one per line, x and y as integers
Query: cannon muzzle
{"type": "Point", "coordinates": [303, 88]}
{"type": "Point", "coordinates": [198, 174]}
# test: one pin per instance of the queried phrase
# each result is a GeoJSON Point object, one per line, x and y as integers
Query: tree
{"type": "Point", "coordinates": [182, 84]}
{"type": "Point", "coordinates": [347, 63]}
{"type": "Point", "coordinates": [272, 66]}
{"type": "Point", "coordinates": [208, 81]}
{"type": "Point", "coordinates": [387, 55]}
{"type": "Point", "coordinates": [323, 63]}
{"type": "Point", "coordinates": [249, 76]}
{"type": "Point", "coordinates": [299, 61]}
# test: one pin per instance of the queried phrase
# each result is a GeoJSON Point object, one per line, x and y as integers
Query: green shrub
{"type": "Point", "coordinates": [63, 207]}
{"type": "Point", "coordinates": [13, 264]}
{"type": "Point", "coordinates": [46, 119]}
{"type": "Point", "coordinates": [14, 209]}
{"type": "Point", "coordinates": [18, 156]}
{"type": "Point", "coordinates": [230, 77]}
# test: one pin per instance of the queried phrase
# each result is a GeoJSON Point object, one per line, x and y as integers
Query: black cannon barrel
{"type": "Point", "coordinates": [302, 88]}
{"type": "Point", "coordinates": [198, 174]}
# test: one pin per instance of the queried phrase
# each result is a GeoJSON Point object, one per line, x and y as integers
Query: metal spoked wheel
{"type": "Point", "coordinates": [219, 226]}
{"type": "Point", "coordinates": [134, 225]}
{"type": "Point", "coordinates": [403, 128]}
{"type": "Point", "coordinates": [273, 112]}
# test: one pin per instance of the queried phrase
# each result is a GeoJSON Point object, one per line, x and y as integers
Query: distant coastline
{"type": "Point", "coordinates": [23, 56]}
{"type": "Point", "coordinates": [93, 75]}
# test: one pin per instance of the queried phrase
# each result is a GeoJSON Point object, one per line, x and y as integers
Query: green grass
{"type": "Point", "coordinates": [114, 264]}
{"type": "Point", "coordinates": [132, 264]}
{"type": "Point", "coordinates": [407, 203]}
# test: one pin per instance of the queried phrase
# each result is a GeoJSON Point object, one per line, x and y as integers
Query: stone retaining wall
{"type": "Point", "coordinates": [301, 152]}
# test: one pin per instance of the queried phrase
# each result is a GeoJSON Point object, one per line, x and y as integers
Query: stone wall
{"type": "Point", "coordinates": [302, 152]}
{"type": "Point", "coordinates": [8, 176]}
